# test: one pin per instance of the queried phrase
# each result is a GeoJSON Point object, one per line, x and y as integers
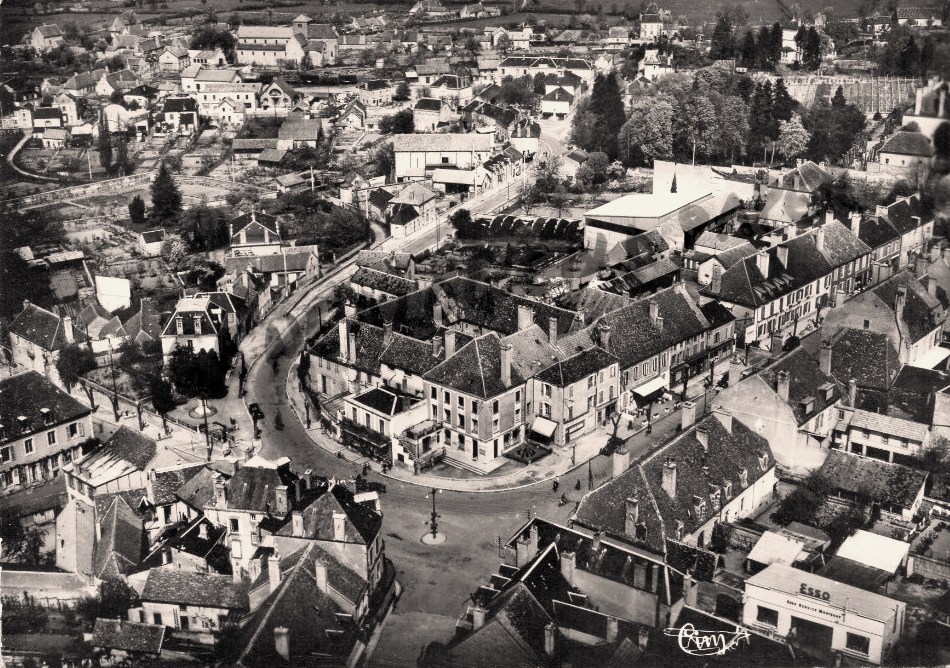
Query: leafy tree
{"type": "Point", "coordinates": [173, 251]}
{"type": "Point", "coordinates": [204, 229]}
{"type": "Point", "coordinates": [73, 362]}
{"type": "Point", "coordinates": [748, 52]}
{"type": "Point", "coordinates": [834, 129]}
{"type": "Point", "coordinates": [518, 92]}
{"type": "Point", "coordinates": [399, 123]}
{"type": "Point", "coordinates": [137, 210]}
{"type": "Point", "coordinates": [673, 188]}
{"type": "Point", "coordinates": [941, 141]}
{"type": "Point", "coordinates": [384, 160]}
{"type": "Point", "coordinates": [402, 91]}
{"type": "Point", "coordinates": [228, 643]}
{"type": "Point", "coordinates": [461, 220]}
{"type": "Point", "coordinates": [597, 122]}
{"type": "Point", "coordinates": [105, 150]}
{"type": "Point", "coordinates": [163, 399]}
{"type": "Point", "coordinates": [122, 165]}
{"type": "Point", "coordinates": [838, 100]}
{"type": "Point", "coordinates": [166, 198]}
{"type": "Point", "coordinates": [723, 44]}
{"type": "Point", "coordinates": [762, 125]}
{"type": "Point", "coordinates": [783, 105]}
{"type": "Point", "coordinates": [811, 50]}
{"type": "Point", "coordinates": [804, 502]}
{"type": "Point", "coordinates": [732, 127]}
{"type": "Point", "coordinates": [116, 598]}
{"type": "Point", "coordinates": [211, 38]}
{"type": "Point", "coordinates": [594, 170]}
{"type": "Point", "coordinates": [504, 45]}
{"type": "Point", "coordinates": [793, 138]}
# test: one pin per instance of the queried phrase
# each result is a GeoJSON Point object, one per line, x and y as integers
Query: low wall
{"type": "Point", "coordinates": [927, 567]}
{"type": "Point", "coordinates": [50, 590]}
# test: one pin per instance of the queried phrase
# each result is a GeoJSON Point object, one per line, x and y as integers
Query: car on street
{"type": "Point", "coordinates": [255, 411]}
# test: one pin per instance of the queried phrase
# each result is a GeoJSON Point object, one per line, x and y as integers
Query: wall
{"type": "Point", "coordinates": [927, 567]}
{"type": "Point", "coordinates": [614, 599]}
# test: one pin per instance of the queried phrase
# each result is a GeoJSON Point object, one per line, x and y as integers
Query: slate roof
{"type": "Point", "coordinates": [123, 541]}
{"type": "Point", "coordinates": [166, 483]}
{"type": "Point", "coordinates": [262, 219]}
{"type": "Point", "coordinates": [428, 104]}
{"type": "Point", "coordinates": [253, 486]}
{"type": "Point", "coordinates": [593, 302]}
{"type": "Point", "coordinates": [922, 312]}
{"type": "Point", "coordinates": [379, 399]}
{"type": "Point", "coordinates": [128, 444]}
{"type": "Point", "coordinates": [43, 328]}
{"type": "Point", "coordinates": [307, 633]}
{"type": "Point", "coordinates": [877, 232]}
{"type": "Point", "coordinates": [558, 95]}
{"type": "Point", "coordinates": [904, 212]}
{"type": "Point", "coordinates": [24, 395]}
{"type": "Point", "coordinates": [128, 636]}
{"type": "Point", "coordinates": [49, 30]}
{"type": "Point", "coordinates": [291, 261]}
{"type": "Point", "coordinates": [146, 324]}
{"type": "Point", "coordinates": [805, 178]}
{"type": "Point", "coordinates": [362, 522]}
{"type": "Point", "coordinates": [445, 142]}
{"type": "Point", "coordinates": [576, 368]}
{"type": "Point", "coordinates": [699, 472]}
{"type": "Point", "coordinates": [908, 143]}
{"type": "Point", "coordinates": [805, 382]}
{"type": "Point", "coordinates": [198, 491]}
{"type": "Point", "coordinates": [380, 198]}
{"type": "Point", "coordinates": [476, 369]}
{"type": "Point", "coordinates": [868, 357]}
{"type": "Point", "coordinates": [888, 484]}
{"type": "Point", "coordinates": [383, 282]}
{"type": "Point", "coordinates": [171, 584]}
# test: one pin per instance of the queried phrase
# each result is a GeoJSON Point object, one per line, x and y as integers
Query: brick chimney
{"type": "Point", "coordinates": [550, 633]}
{"type": "Point", "coordinates": [339, 527]}
{"type": "Point", "coordinates": [203, 531]}
{"type": "Point", "coordinates": [351, 347]}
{"type": "Point", "coordinates": [781, 254]}
{"type": "Point", "coordinates": [449, 343]}
{"type": "Point", "coordinates": [687, 415]}
{"type": "Point", "coordinates": [296, 522]}
{"type": "Point", "coordinates": [437, 315]}
{"type": "Point", "coordinates": [506, 364]}
{"type": "Point", "coordinates": [68, 329]}
{"type": "Point", "coordinates": [220, 492]}
{"type": "Point", "coordinates": [762, 262]}
{"type": "Point", "coordinates": [552, 330]}
{"type": "Point", "coordinates": [631, 516]}
{"type": "Point", "coordinates": [782, 382]}
{"type": "Point", "coordinates": [282, 642]}
{"type": "Point", "coordinates": [853, 393]}
{"type": "Point", "coordinates": [387, 332]}
{"type": "Point", "coordinates": [620, 460]}
{"type": "Point", "coordinates": [568, 566]}
{"type": "Point", "coordinates": [526, 546]}
{"type": "Point", "coordinates": [603, 334]}
{"type": "Point", "coordinates": [478, 617]}
{"type": "Point", "coordinates": [436, 345]}
{"type": "Point", "coordinates": [654, 311]}
{"type": "Point", "coordinates": [824, 358]}
{"type": "Point", "coordinates": [918, 101]}
{"type": "Point", "coordinates": [273, 571]}
{"type": "Point", "coordinates": [525, 316]}
{"type": "Point", "coordinates": [320, 574]}
{"type": "Point", "coordinates": [724, 417]}
{"type": "Point", "coordinates": [702, 435]}
{"type": "Point", "coordinates": [669, 477]}
{"type": "Point", "coordinates": [281, 505]}
{"type": "Point", "coordinates": [715, 284]}
{"type": "Point", "coordinates": [854, 219]}
{"type": "Point", "coordinates": [344, 337]}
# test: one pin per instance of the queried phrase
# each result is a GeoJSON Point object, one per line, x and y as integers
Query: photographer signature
{"type": "Point", "coordinates": [696, 642]}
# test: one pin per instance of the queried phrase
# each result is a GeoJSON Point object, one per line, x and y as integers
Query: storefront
{"type": "Point", "coordinates": [820, 616]}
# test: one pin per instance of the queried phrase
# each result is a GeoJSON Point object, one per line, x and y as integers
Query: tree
{"type": "Point", "coordinates": [648, 133]}
{"type": "Point", "coordinates": [793, 138]}
{"type": "Point", "coordinates": [762, 125]}
{"type": "Point", "coordinates": [722, 42]}
{"type": "Point", "coordinates": [941, 142]}
{"type": "Point", "coordinates": [748, 52]}
{"type": "Point", "coordinates": [166, 198]}
{"type": "Point", "coordinates": [173, 251]}
{"type": "Point", "coordinates": [594, 170]}
{"type": "Point", "coordinates": [804, 502]}
{"type": "Point", "coordinates": [811, 50]}
{"type": "Point", "coordinates": [598, 120]}
{"type": "Point", "coordinates": [504, 45]}
{"type": "Point", "coordinates": [73, 362]}
{"type": "Point", "coordinates": [838, 100]}
{"type": "Point", "coordinates": [211, 38]}
{"type": "Point", "coordinates": [783, 105]}
{"type": "Point", "coordinates": [402, 91]}
{"type": "Point", "coordinates": [105, 150]}
{"type": "Point", "coordinates": [732, 127]}
{"type": "Point", "coordinates": [137, 210]}
{"type": "Point", "coordinates": [399, 123]}
{"type": "Point", "coordinates": [122, 166]}
{"type": "Point", "coordinates": [461, 221]}
{"type": "Point", "coordinates": [384, 160]}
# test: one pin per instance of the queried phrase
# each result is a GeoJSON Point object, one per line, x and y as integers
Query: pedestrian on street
{"type": "Point", "coordinates": [557, 483]}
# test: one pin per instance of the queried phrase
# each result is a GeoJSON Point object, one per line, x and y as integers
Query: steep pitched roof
{"type": "Point", "coordinates": [806, 381]}
{"type": "Point", "coordinates": [866, 356]}
{"type": "Point", "coordinates": [577, 367]}
{"type": "Point", "coordinates": [43, 328]}
{"type": "Point", "coordinates": [476, 369]}
{"type": "Point", "coordinates": [361, 525]}
{"type": "Point", "coordinates": [171, 584]}
{"type": "Point", "coordinates": [123, 540]}
{"type": "Point", "coordinates": [908, 143]}
{"type": "Point", "coordinates": [25, 395]}
{"type": "Point", "coordinates": [887, 484]}
{"type": "Point", "coordinates": [254, 485]}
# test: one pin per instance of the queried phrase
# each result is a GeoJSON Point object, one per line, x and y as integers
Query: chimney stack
{"type": "Point", "coordinates": [436, 346]}
{"type": "Point", "coordinates": [549, 636]}
{"type": "Point", "coordinates": [387, 331]}
{"type": "Point", "coordinates": [919, 101]}
{"type": "Point", "coordinates": [654, 311]}
{"type": "Point", "coordinates": [351, 345]}
{"type": "Point", "coordinates": [829, 216]}
{"type": "Point", "coordinates": [631, 516]}
{"type": "Point", "coordinates": [854, 218]}
{"type": "Point", "coordinates": [344, 337]}
{"type": "Point", "coordinates": [296, 521]}
{"type": "Point", "coordinates": [273, 571]}
{"type": "Point", "coordinates": [702, 435]}
{"type": "Point", "coordinates": [282, 642]}
{"type": "Point", "coordinates": [853, 393]}
{"type": "Point", "coordinates": [220, 492]}
{"type": "Point", "coordinates": [339, 527]}
{"type": "Point", "coordinates": [820, 239]}
{"type": "Point", "coordinates": [437, 313]}
{"type": "Point", "coordinates": [478, 617]}
{"type": "Point", "coordinates": [281, 505]}
{"type": "Point", "coordinates": [603, 334]}
{"type": "Point", "coordinates": [68, 329]}
{"type": "Point", "coordinates": [687, 415]}
{"type": "Point", "coordinates": [620, 460]}
{"type": "Point", "coordinates": [525, 317]}
{"type": "Point", "coordinates": [552, 330]}
{"type": "Point", "coordinates": [715, 284]}
{"type": "Point", "coordinates": [449, 343]}
{"type": "Point", "coordinates": [669, 477]}
{"type": "Point", "coordinates": [824, 358]}
{"type": "Point", "coordinates": [506, 364]}
{"type": "Point", "coordinates": [942, 104]}
{"type": "Point", "coordinates": [320, 574]}
{"type": "Point", "coordinates": [203, 530]}
{"type": "Point", "coordinates": [724, 417]}
{"type": "Point", "coordinates": [762, 262]}
{"type": "Point", "coordinates": [782, 385]}
{"type": "Point", "coordinates": [643, 637]}
{"type": "Point", "coordinates": [899, 300]}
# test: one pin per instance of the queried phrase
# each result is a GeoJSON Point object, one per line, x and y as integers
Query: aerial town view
{"type": "Point", "coordinates": [515, 334]}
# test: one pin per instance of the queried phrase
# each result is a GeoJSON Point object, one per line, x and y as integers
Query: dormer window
{"type": "Point", "coordinates": [743, 477]}
{"type": "Point", "coordinates": [641, 531]}
{"type": "Point", "coordinates": [23, 423]}
{"type": "Point", "coordinates": [679, 529]}
{"type": "Point", "coordinates": [47, 416]}
{"type": "Point", "coordinates": [179, 326]}
{"type": "Point", "coordinates": [727, 489]}
{"type": "Point", "coordinates": [714, 498]}
{"type": "Point", "coordinates": [808, 404]}
{"type": "Point", "coordinates": [764, 461]}
{"type": "Point", "coordinates": [699, 508]}
{"type": "Point", "coordinates": [827, 390]}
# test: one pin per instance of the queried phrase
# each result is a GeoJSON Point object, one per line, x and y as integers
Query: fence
{"type": "Point", "coordinates": [928, 567]}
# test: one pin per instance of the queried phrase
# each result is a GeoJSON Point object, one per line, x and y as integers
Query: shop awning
{"type": "Point", "coordinates": [543, 427]}
{"type": "Point", "coordinates": [650, 387]}
{"type": "Point", "coordinates": [931, 358]}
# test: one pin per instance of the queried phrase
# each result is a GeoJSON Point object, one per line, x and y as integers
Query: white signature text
{"type": "Point", "coordinates": [697, 642]}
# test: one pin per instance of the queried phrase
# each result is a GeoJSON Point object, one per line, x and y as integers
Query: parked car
{"type": "Point", "coordinates": [364, 485]}
{"type": "Point", "coordinates": [255, 411]}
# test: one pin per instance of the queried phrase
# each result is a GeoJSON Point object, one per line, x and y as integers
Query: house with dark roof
{"type": "Point", "coordinates": [128, 640]}
{"type": "Point", "coordinates": [180, 115]}
{"type": "Point", "coordinates": [375, 92]}
{"type": "Point", "coordinates": [904, 310]}
{"type": "Point", "coordinates": [867, 358]}
{"type": "Point", "coordinates": [716, 470]}
{"type": "Point", "coordinates": [411, 209]}
{"type": "Point", "coordinates": [897, 489]}
{"type": "Point", "coordinates": [379, 285]}
{"type": "Point", "coordinates": [150, 242]}
{"type": "Point", "coordinates": [793, 403]}
{"type": "Point", "coordinates": [913, 222]}
{"type": "Point", "coordinates": [121, 539]}
{"type": "Point", "coordinates": [190, 602]}
{"type": "Point", "coordinates": [204, 321]}
{"type": "Point", "coordinates": [36, 337]}
{"type": "Point", "coordinates": [905, 155]}
{"type": "Point", "coordinates": [773, 289]}
{"type": "Point", "coordinates": [254, 233]}
{"type": "Point", "coordinates": [556, 103]}
{"type": "Point", "coordinates": [429, 113]}
{"type": "Point", "coordinates": [47, 37]}
{"type": "Point", "coordinates": [372, 421]}
{"type": "Point", "coordinates": [879, 436]}
{"type": "Point", "coordinates": [42, 429]}
{"type": "Point", "coordinates": [278, 96]}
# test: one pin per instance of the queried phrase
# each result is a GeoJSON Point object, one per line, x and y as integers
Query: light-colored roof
{"type": "Point", "coordinates": [788, 580]}
{"type": "Point", "coordinates": [415, 194]}
{"type": "Point", "coordinates": [442, 142]}
{"type": "Point", "coordinates": [458, 176]}
{"type": "Point", "coordinates": [774, 548]}
{"type": "Point", "coordinates": [646, 205]}
{"type": "Point", "coordinates": [874, 550]}
{"type": "Point", "coordinates": [891, 426]}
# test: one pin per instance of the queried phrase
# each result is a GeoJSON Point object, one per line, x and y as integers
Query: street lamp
{"type": "Point", "coordinates": [433, 522]}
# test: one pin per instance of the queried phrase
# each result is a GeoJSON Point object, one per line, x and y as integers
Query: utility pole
{"type": "Point", "coordinates": [115, 391]}
{"type": "Point", "coordinates": [204, 411]}
{"type": "Point", "coordinates": [433, 522]}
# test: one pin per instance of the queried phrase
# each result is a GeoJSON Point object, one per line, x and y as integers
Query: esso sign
{"type": "Point", "coordinates": [814, 593]}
